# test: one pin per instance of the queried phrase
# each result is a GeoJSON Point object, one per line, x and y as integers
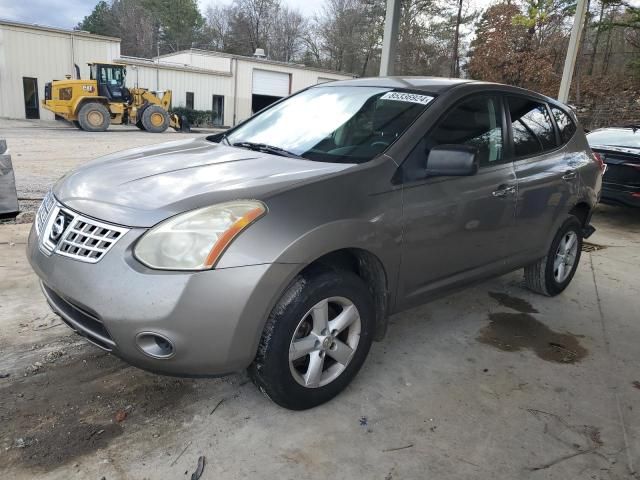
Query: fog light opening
{"type": "Point", "coordinates": [155, 345]}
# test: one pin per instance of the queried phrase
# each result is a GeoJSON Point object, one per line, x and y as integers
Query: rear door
{"type": "Point", "coordinates": [547, 177]}
{"type": "Point", "coordinates": [457, 227]}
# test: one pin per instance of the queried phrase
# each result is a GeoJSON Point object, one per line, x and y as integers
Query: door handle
{"type": "Point", "coordinates": [570, 175]}
{"type": "Point", "coordinates": [504, 190]}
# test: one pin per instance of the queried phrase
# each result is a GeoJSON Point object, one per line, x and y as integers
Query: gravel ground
{"type": "Point", "coordinates": [43, 151]}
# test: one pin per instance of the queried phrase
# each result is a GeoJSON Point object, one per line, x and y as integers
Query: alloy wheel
{"type": "Point", "coordinates": [565, 256]}
{"type": "Point", "coordinates": [324, 342]}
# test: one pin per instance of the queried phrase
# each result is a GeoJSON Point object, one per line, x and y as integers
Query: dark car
{"type": "Point", "coordinates": [619, 148]}
{"type": "Point", "coordinates": [284, 244]}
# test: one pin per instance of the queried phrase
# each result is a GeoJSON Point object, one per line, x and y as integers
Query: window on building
{"type": "Point", "coordinates": [533, 130]}
{"type": "Point", "coordinates": [190, 100]}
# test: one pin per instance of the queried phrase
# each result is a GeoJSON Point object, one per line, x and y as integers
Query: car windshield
{"type": "Point", "coordinates": [618, 137]}
{"type": "Point", "coordinates": [332, 124]}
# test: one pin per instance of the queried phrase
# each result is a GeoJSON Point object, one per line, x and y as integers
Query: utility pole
{"type": "Point", "coordinates": [572, 51]}
{"type": "Point", "coordinates": [455, 64]}
{"type": "Point", "coordinates": [390, 38]}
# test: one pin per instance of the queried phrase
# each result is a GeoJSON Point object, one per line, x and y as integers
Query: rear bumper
{"type": "Point", "coordinates": [620, 195]}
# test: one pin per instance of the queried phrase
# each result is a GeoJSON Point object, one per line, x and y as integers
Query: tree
{"type": "Point", "coordinates": [101, 20]}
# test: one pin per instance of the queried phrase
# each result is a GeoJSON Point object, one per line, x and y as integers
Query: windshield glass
{"type": "Point", "coordinates": [618, 137]}
{"type": "Point", "coordinates": [333, 124]}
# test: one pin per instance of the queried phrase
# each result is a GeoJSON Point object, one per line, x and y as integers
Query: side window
{"type": "Point", "coordinates": [565, 125]}
{"type": "Point", "coordinates": [533, 130]}
{"type": "Point", "coordinates": [476, 122]}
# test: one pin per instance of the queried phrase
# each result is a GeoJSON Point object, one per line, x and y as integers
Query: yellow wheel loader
{"type": "Point", "coordinates": [94, 104]}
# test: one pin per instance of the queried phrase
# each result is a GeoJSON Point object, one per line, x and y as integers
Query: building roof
{"type": "Point", "coordinates": [214, 53]}
{"type": "Point", "coordinates": [45, 28]}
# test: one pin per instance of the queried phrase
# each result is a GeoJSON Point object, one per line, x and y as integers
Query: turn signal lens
{"type": "Point", "coordinates": [197, 239]}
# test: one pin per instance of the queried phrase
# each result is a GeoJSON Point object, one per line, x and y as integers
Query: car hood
{"type": "Point", "coordinates": [143, 186]}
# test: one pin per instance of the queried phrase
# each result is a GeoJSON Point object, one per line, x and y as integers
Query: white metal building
{"type": "Point", "coordinates": [31, 55]}
{"type": "Point", "coordinates": [230, 86]}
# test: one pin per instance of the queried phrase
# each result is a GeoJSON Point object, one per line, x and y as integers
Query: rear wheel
{"type": "Point", "coordinates": [94, 117]}
{"type": "Point", "coordinates": [553, 273]}
{"type": "Point", "coordinates": [155, 119]}
{"type": "Point", "coordinates": [316, 339]}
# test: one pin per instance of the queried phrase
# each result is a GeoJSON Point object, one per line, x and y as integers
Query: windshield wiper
{"type": "Point", "coordinates": [263, 147]}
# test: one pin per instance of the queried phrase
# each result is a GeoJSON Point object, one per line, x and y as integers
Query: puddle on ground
{"type": "Point", "coordinates": [513, 303]}
{"type": "Point", "coordinates": [512, 332]}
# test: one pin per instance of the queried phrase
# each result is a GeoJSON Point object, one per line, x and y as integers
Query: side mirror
{"type": "Point", "coordinates": [452, 160]}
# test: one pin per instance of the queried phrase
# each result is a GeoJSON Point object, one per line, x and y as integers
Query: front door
{"type": "Point", "coordinates": [456, 228]}
{"type": "Point", "coordinates": [30, 91]}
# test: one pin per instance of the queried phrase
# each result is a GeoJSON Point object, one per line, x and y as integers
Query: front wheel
{"type": "Point", "coordinates": [315, 340]}
{"type": "Point", "coordinates": [553, 273]}
{"type": "Point", "coordinates": [155, 119]}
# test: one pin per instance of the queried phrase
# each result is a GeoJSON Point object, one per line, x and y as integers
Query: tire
{"type": "Point", "coordinates": [299, 314]}
{"type": "Point", "coordinates": [544, 276]}
{"type": "Point", "coordinates": [139, 116]}
{"type": "Point", "coordinates": [94, 117]}
{"type": "Point", "coordinates": [155, 119]}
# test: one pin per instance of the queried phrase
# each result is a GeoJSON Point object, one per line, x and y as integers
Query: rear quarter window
{"type": "Point", "coordinates": [533, 131]}
{"type": "Point", "coordinates": [566, 127]}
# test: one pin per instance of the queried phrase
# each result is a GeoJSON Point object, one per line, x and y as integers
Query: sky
{"type": "Point", "coordinates": [68, 13]}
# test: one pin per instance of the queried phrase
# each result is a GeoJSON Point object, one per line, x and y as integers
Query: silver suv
{"type": "Point", "coordinates": [284, 244]}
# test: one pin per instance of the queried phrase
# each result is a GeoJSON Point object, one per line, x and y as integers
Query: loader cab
{"type": "Point", "coordinates": [111, 81]}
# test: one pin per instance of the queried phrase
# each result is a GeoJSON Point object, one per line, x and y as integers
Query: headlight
{"type": "Point", "coordinates": [195, 240]}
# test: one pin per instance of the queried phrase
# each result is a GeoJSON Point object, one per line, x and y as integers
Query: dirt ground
{"type": "Point", "coordinates": [492, 382]}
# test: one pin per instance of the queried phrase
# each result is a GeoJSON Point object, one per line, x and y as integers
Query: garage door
{"type": "Point", "coordinates": [273, 84]}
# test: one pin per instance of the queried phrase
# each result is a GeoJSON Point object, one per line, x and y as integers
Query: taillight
{"type": "Point", "coordinates": [599, 160]}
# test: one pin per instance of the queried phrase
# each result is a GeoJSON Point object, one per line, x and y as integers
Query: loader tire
{"type": "Point", "coordinates": [139, 116]}
{"type": "Point", "coordinates": [94, 117]}
{"type": "Point", "coordinates": [155, 119]}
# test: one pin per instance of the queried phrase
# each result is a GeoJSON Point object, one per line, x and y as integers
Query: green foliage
{"type": "Point", "coordinates": [143, 25]}
{"type": "Point", "coordinates": [197, 118]}
{"type": "Point", "coordinates": [101, 20]}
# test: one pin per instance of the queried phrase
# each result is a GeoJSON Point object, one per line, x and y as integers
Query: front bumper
{"type": "Point", "coordinates": [214, 318]}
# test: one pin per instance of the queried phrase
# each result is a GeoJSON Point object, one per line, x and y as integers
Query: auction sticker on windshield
{"type": "Point", "coordinates": [407, 97]}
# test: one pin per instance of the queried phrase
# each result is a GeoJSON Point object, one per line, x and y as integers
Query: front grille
{"type": "Point", "coordinates": [43, 212]}
{"type": "Point", "coordinates": [83, 322]}
{"type": "Point", "coordinates": [88, 240]}
{"type": "Point", "coordinates": [65, 232]}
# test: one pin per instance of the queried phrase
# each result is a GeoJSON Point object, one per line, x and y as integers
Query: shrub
{"type": "Point", "coordinates": [197, 118]}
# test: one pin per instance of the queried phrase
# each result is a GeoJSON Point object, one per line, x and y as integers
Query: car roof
{"type": "Point", "coordinates": [427, 84]}
{"type": "Point", "coordinates": [435, 85]}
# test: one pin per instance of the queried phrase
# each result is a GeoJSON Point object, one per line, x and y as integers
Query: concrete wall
{"type": "Point", "coordinates": [45, 54]}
